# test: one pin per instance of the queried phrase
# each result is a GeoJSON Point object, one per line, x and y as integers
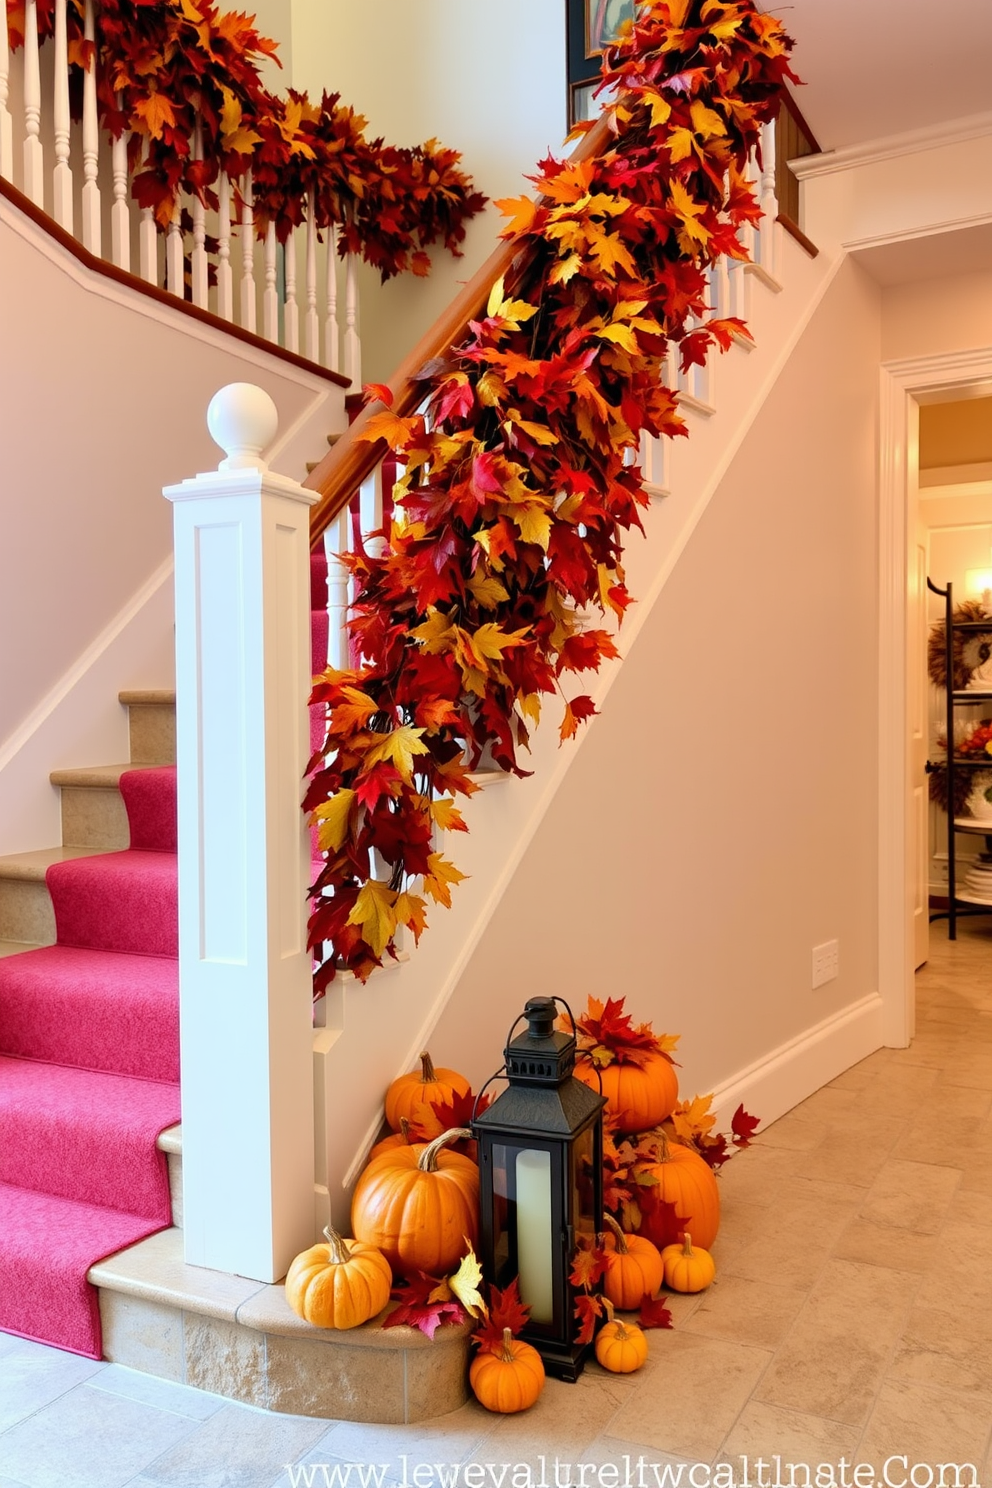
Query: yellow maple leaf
{"type": "Point", "coordinates": [661, 109]}
{"type": "Point", "coordinates": [688, 210]}
{"type": "Point", "coordinates": [487, 590]}
{"type": "Point", "coordinates": [611, 253]}
{"type": "Point", "coordinates": [540, 433]}
{"type": "Point", "coordinates": [530, 706]}
{"type": "Point", "coordinates": [533, 522]}
{"type": "Point", "coordinates": [331, 818]}
{"type": "Point", "coordinates": [680, 144]}
{"type": "Point", "coordinates": [465, 1283]}
{"type": "Point", "coordinates": [375, 911]}
{"type": "Point", "coordinates": [706, 121]}
{"type": "Point", "coordinates": [441, 873]}
{"type": "Point", "coordinates": [490, 389]}
{"type": "Point", "coordinates": [521, 210]}
{"type": "Point", "coordinates": [565, 269]}
{"type": "Point", "coordinates": [490, 642]}
{"type": "Point", "coordinates": [621, 335]}
{"type": "Point", "coordinates": [399, 747]}
{"type": "Point", "coordinates": [436, 634]}
{"type": "Point", "coordinates": [445, 814]}
{"type": "Point", "coordinates": [410, 910]}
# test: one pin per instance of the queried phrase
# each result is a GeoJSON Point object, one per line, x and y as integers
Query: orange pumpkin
{"type": "Point", "coordinates": [620, 1347]}
{"type": "Point", "coordinates": [509, 1380]}
{"type": "Point", "coordinates": [419, 1205]}
{"type": "Point", "coordinates": [688, 1267]}
{"type": "Point", "coordinates": [684, 1181]}
{"type": "Point", "coordinates": [340, 1284]}
{"type": "Point", "coordinates": [401, 1138]}
{"type": "Point", "coordinates": [640, 1095]}
{"type": "Point", "coordinates": [634, 1267]}
{"type": "Point", "coordinates": [411, 1095]}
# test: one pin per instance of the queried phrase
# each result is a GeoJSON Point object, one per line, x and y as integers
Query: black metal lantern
{"type": "Point", "coordinates": [541, 1181]}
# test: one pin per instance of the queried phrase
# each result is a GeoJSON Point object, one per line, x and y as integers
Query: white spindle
{"type": "Point", "coordinates": [225, 277]}
{"type": "Point", "coordinates": [767, 200]}
{"type": "Point", "coordinates": [34, 155]}
{"type": "Point", "coordinates": [247, 256]}
{"type": "Point", "coordinates": [270, 297]}
{"type": "Point", "coordinates": [120, 217]}
{"type": "Point", "coordinates": [62, 184]}
{"type": "Point", "coordinates": [147, 238]}
{"type": "Point", "coordinates": [174, 254]}
{"type": "Point", "coordinates": [6, 123]}
{"type": "Point", "coordinates": [312, 324]}
{"type": "Point", "coordinates": [747, 233]}
{"type": "Point", "coordinates": [92, 230]}
{"type": "Point", "coordinates": [370, 510]}
{"type": "Point", "coordinates": [290, 311]}
{"type": "Point", "coordinates": [198, 262]}
{"type": "Point", "coordinates": [720, 286]}
{"type": "Point", "coordinates": [336, 541]}
{"type": "Point", "coordinates": [331, 333]}
{"type": "Point", "coordinates": [352, 345]}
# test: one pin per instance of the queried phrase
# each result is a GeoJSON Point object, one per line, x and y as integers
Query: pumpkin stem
{"type": "Point", "coordinates": [506, 1352]}
{"type": "Point", "coordinates": [405, 1130]}
{"type": "Point", "coordinates": [427, 1075]}
{"type": "Point", "coordinates": [338, 1247]}
{"type": "Point", "coordinates": [687, 1249]}
{"type": "Point", "coordinates": [666, 1155]}
{"type": "Point", "coordinates": [427, 1161]}
{"type": "Point", "coordinates": [618, 1234]}
{"type": "Point", "coordinates": [608, 1309]}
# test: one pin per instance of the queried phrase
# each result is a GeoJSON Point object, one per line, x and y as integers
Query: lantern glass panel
{"type": "Point", "coordinates": [584, 1207]}
{"type": "Point", "coordinates": [504, 1206]}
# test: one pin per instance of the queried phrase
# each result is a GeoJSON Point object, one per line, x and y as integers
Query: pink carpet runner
{"type": "Point", "coordinates": [89, 1069]}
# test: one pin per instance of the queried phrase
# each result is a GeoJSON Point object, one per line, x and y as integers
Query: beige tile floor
{"type": "Point", "coordinates": [851, 1319]}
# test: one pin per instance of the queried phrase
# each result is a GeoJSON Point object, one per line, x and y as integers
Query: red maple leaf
{"type": "Point", "coordinates": [505, 1311]}
{"type": "Point", "coordinates": [425, 1303]}
{"type": "Point", "coordinates": [654, 1313]}
{"type": "Point", "coordinates": [588, 1264]}
{"type": "Point", "coordinates": [587, 1310]}
{"type": "Point", "coordinates": [743, 1127]}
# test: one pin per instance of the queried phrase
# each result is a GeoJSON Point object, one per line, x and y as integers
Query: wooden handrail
{"type": "Point", "coordinates": [351, 459]}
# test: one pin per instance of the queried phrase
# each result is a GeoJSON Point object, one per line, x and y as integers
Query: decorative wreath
{"type": "Point", "coordinates": [970, 648]}
{"type": "Point", "coordinates": [979, 741]}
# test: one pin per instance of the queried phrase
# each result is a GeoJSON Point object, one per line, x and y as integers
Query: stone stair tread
{"type": "Point", "coordinates": [31, 867]}
{"type": "Point", "coordinates": [94, 777]}
{"type": "Point", "coordinates": [171, 1140]}
{"type": "Point", "coordinates": [139, 695]}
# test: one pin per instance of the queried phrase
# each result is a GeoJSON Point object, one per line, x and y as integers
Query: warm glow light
{"type": "Point", "coordinates": [977, 580]}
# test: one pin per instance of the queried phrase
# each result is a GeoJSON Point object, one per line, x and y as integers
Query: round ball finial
{"type": "Point", "coordinates": [243, 420]}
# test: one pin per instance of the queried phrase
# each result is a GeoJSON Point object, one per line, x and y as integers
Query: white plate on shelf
{"type": "Point", "coordinates": [973, 899]}
{"type": "Point", "coordinates": [974, 824]}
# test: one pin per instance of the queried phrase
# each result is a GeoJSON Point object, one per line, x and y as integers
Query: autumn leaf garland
{"type": "Point", "coordinates": [181, 79]}
{"type": "Point", "coordinates": [518, 478]}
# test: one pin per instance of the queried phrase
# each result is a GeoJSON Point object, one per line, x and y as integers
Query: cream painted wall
{"type": "Point", "coordinates": [931, 316]}
{"type": "Point", "coordinates": [446, 68]}
{"type": "Point", "coordinates": [720, 819]}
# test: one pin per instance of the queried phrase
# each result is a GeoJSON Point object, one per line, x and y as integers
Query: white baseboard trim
{"type": "Point", "coordinates": [782, 1078]}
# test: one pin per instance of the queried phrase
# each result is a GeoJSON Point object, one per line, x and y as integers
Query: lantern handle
{"type": "Point", "coordinates": [497, 1076]}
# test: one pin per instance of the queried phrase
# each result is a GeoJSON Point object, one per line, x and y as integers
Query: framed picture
{"type": "Point", "coordinates": [603, 19]}
{"type": "Point", "coordinates": [591, 26]}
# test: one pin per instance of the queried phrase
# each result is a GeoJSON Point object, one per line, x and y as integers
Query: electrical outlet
{"type": "Point", "coordinates": [824, 963]}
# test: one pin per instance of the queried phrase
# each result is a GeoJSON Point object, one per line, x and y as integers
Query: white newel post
{"type": "Point", "coordinates": [242, 682]}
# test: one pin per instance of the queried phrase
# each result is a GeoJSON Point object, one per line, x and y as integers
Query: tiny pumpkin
{"type": "Point", "coordinates": [419, 1204]}
{"type": "Point", "coordinates": [620, 1347]}
{"type": "Point", "coordinates": [508, 1380]}
{"type": "Point", "coordinates": [411, 1095]}
{"type": "Point", "coordinates": [640, 1094]}
{"type": "Point", "coordinates": [688, 1268]}
{"type": "Point", "coordinates": [633, 1267]}
{"type": "Point", "coordinates": [338, 1285]}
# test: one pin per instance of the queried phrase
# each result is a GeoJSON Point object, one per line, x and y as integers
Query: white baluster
{"type": "Point", "coordinates": [198, 263]}
{"type": "Point", "coordinates": [174, 254]}
{"type": "Point", "coordinates": [332, 356]}
{"type": "Point", "coordinates": [312, 324]}
{"type": "Point", "coordinates": [225, 277]}
{"type": "Point", "coordinates": [270, 296]}
{"type": "Point", "coordinates": [6, 122]}
{"type": "Point", "coordinates": [720, 284]}
{"type": "Point", "coordinates": [92, 229]}
{"type": "Point", "coordinates": [370, 511]}
{"type": "Point", "coordinates": [336, 541]}
{"type": "Point", "coordinates": [352, 345]}
{"type": "Point", "coordinates": [147, 236]}
{"type": "Point", "coordinates": [291, 311]}
{"type": "Point", "coordinates": [747, 232]}
{"type": "Point", "coordinates": [247, 256]}
{"type": "Point", "coordinates": [34, 155]}
{"type": "Point", "coordinates": [769, 205]}
{"type": "Point", "coordinates": [120, 216]}
{"type": "Point", "coordinates": [62, 193]}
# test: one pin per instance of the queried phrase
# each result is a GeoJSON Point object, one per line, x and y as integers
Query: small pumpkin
{"type": "Point", "coordinates": [684, 1196]}
{"type": "Point", "coordinates": [633, 1267]}
{"type": "Point", "coordinates": [620, 1347]}
{"type": "Point", "coordinates": [419, 1204]}
{"type": "Point", "coordinates": [338, 1285]}
{"type": "Point", "coordinates": [411, 1095]}
{"type": "Point", "coordinates": [401, 1138]}
{"type": "Point", "coordinates": [508, 1380]}
{"type": "Point", "coordinates": [688, 1268]}
{"type": "Point", "coordinates": [640, 1095]}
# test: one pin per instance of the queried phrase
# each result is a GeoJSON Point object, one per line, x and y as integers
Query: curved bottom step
{"type": "Point", "coordinates": [240, 1339]}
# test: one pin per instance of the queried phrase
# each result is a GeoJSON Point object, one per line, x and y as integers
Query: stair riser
{"type": "Point", "coordinates": [175, 1160]}
{"type": "Point", "coordinates": [152, 732]}
{"type": "Point", "coordinates": [26, 912]}
{"type": "Point", "coordinates": [94, 818]}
